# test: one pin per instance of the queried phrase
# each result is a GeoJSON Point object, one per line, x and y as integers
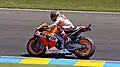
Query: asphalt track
{"type": "Point", "coordinates": [16, 27]}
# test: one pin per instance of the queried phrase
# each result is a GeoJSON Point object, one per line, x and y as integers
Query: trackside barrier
{"type": "Point", "coordinates": [52, 61]}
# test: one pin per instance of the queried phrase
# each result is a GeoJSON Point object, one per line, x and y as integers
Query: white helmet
{"type": "Point", "coordinates": [54, 14]}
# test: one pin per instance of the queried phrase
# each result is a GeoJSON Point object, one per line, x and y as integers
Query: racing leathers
{"type": "Point", "coordinates": [65, 23]}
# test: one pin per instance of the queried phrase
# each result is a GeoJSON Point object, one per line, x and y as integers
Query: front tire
{"type": "Point", "coordinates": [88, 51]}
{"type": "Point", "coordinates": [35, 47]}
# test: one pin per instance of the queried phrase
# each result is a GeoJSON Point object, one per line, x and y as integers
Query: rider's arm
{"type": "Point", "coordinates": [55, 23]}
{"type": "Point", "coordinates": [52, 25]}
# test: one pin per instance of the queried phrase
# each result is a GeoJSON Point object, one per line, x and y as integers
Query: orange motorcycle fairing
{"type": "Point", "coordinates": [48, 43]}
{"type": "Point", "coordinates": [48, 37]}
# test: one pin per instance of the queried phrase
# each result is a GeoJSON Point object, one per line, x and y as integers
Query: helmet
{"type": "Point", "coordinates": [53, 15]}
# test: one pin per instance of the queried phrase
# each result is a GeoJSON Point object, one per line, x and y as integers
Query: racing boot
{"type": "Point", "coordinates": [64, 51]}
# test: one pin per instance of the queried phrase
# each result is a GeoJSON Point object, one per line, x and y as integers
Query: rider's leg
{"type": "Point", "coordinates": [62, 48]}
{"type": "Point", "coordinates": [61, 40]}
{"type": "Point", "coordinates": [66, 38]}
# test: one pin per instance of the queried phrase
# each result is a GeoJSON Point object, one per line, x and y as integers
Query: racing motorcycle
{"type": "Point", "coordinates": [44, 41]}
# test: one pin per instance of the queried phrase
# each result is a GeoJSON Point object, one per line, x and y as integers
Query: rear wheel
{"type": "Point", "coordinates": [88, 51]}
{"type": "Point", "coordinates": [35, 47]}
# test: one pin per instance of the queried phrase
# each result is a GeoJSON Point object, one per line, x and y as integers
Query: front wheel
{"type": "Point", "coordinates": [35, 47]}
{"type": "Point", "coordinates": [89, 49]}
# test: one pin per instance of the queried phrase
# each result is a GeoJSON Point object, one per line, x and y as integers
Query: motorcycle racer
{"type": "Point", "coordinates": [61, 20]}
{"type": "Point", "coordinates": [52, 39]}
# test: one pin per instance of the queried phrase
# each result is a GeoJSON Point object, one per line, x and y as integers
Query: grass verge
{"type": "Point", "coordinates": [26, 65]}
{"type": "Point", "coordinates": [84, 5]}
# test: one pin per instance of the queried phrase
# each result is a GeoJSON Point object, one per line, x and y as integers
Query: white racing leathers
{"type": "Point", "coordinates": [67, 25]}
{"type": "Point", "coordinates": [64, 21]}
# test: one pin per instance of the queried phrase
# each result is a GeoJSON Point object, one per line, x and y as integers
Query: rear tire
{"type": "Point", "coordinates": [34, 48]}
{"type": "Point", "coordinates": [88, 51]}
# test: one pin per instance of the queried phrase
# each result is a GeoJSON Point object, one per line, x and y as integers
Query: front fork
{"type": "Point", "coordinates": [37, 40]}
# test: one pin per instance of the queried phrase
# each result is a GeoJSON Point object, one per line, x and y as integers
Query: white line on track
{"type": "Point", "coordinates": [37, 10]}
{"type": "Point", "coordinates": [51, 58]}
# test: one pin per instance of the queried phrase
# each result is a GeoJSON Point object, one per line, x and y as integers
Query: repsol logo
{"type": "Point", "coordinates": [50, 37]}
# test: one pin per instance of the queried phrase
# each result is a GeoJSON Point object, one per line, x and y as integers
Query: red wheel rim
{"type": "Point", "coordinates": [85, 51]}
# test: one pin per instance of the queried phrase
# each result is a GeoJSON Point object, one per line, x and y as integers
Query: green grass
{"type": "Point", "coordinates": [86, 5]}
{"type": "Point", "coordinates": [22, 65]}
